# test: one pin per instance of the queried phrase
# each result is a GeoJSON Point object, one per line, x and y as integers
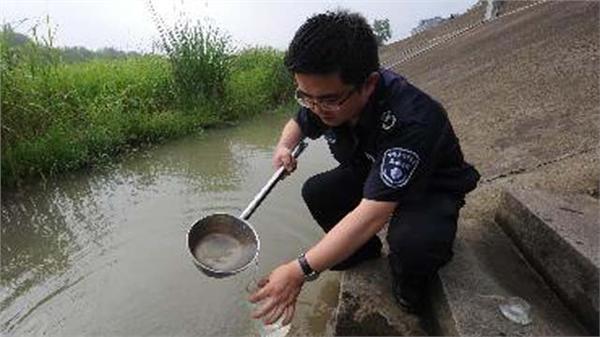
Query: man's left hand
{"type": "Point", "coordinates": [279, 294]}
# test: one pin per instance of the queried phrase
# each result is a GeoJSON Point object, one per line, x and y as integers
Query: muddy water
{"type": "Point", "coordinates": [220, 252]}
{"type": "Point", "coordinates": [104, 252]}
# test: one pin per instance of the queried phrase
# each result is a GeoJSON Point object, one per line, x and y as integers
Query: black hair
{"type": "Point", "coordinates": [334, 42]}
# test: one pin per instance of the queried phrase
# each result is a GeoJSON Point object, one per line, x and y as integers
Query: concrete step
{"type": "Point", "coordinates": [559, 238]}
{"type": "Point", "coordinates": [487, 269]}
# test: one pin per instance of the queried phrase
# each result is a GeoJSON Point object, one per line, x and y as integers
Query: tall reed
{"type": "Point", "coordinates": [200, 56]}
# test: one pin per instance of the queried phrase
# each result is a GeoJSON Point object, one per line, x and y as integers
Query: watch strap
{"type": "Point", "coordinates": [306, 268]}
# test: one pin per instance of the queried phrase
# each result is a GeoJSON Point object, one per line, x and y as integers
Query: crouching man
{"type": "Point", "coordinates": [400, 164]}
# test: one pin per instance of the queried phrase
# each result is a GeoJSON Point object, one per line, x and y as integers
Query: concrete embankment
{"type": "Point", "coordinates": [522, 94]}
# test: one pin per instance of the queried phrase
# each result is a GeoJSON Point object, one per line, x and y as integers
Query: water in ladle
{"type": "Point", "coordinates": [219, 251]}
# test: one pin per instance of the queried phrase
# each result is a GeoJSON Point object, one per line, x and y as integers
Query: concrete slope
{"type": "Point", "coordinates": [520, 90]}
{"type": "Point", "coordinates": [394, 51]}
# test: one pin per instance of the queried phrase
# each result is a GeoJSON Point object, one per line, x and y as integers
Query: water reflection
{"type": "Point", "coordinates": [255, 134]}
{"type": "Point", "coordinates": [34, 238]}
{"type": "Point", "coordinates": [218, 160]}
{"type": "Point", "coordinates": [45, 230]}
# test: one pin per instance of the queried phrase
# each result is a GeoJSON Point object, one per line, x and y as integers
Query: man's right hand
{"type": "Point", "coordinates": [283, 157]}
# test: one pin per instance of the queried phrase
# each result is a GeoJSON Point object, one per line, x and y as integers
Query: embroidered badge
{"type": "Point", "coordinates": [329, 137]}
{"type": "Point", "coordinates": [388, 120]}
{"type": "Point", "coordinates": [397, 166]}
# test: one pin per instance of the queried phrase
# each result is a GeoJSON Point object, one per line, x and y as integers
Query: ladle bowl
{"type": "Point", "coordinates": [222, 245]}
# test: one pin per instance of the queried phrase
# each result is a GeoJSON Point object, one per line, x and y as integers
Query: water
{"type": "Point", "coordinates": [104, 252]}
{"type": "Point", "coordinates": [219, 251]}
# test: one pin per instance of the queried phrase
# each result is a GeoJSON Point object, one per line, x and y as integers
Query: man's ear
{"type": "Point", "coordinates": [371, 82]}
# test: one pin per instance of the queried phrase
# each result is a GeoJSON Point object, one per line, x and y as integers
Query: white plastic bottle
{"type": "Point", "coordinates": [276, 329]}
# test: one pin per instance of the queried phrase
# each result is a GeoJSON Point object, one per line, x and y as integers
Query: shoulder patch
{"type": "Point", "coordinates": [388, 120]}
{"type": "Point", "coordinates": [397, 166]}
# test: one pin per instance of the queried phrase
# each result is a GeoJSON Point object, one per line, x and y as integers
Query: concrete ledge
{"type": "Point", "coordinates": [485, 271]}
{"type": "Point", "coordinates": [366, 306]}
{"type": "Point", "coordinates": [559, 237]}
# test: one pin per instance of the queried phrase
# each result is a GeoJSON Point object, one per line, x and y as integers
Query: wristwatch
{"type": "Point", "coordinates": [309, 273]}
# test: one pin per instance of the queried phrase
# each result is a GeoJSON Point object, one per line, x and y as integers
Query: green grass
{"type": "Point", "coordinates": [258, 82]}
{"type": "Point", "coordinates": [58, 117]}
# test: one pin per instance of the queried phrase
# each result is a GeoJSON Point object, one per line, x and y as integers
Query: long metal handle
{"type": "Point", "coordinates": [271, 183]}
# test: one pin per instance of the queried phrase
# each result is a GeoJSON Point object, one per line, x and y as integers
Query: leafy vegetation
{"type": "Point", "coordinates": [58, 115]}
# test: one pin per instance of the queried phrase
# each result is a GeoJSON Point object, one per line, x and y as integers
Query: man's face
{"type": "Point", "coordinates": [331, 99]}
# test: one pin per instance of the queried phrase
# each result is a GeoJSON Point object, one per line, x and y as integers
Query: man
{"type": "Point", "coordinates": [400, 163]}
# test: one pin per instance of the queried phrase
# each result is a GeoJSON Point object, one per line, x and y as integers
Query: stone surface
{"type": "Point", "coordinates": [521, 90]}
{"type": "Point", "coordinates": [366, 305]}
{"type": "Point", "coordinates": [487, 270]}
{"type": "Point", "coordinates": [559, 237]}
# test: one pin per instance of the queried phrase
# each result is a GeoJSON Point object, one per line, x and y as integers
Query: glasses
{"type": "Point", "coordinates": [329, 103]}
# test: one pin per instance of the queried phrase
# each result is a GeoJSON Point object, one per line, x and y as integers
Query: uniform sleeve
{"type": "Point", "coordinates": [309, 123]}
{"type": "Point", "coordinates": [403, 163]}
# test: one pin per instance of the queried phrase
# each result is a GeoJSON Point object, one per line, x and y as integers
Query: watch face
{"type": "Point", "coordinates": [311, 277]}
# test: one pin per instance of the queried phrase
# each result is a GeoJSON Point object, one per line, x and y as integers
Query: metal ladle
{"type": "Point", "coordinates": [222, 245]}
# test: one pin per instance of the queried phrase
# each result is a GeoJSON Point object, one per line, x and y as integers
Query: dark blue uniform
{"type": "Point", "coordinates": [402, 149]}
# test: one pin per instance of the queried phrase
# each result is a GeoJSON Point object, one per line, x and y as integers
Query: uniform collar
{"type": "Point", "coordinates": [370, 115]}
